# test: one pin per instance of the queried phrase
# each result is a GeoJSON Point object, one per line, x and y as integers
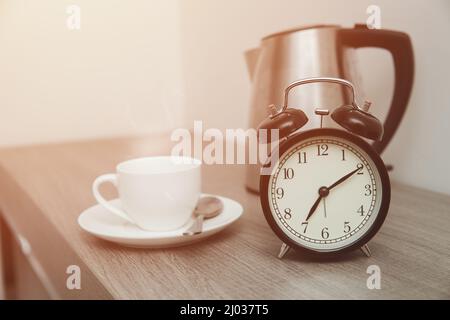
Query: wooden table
{"type": "Point", "coordinates": [44, 188]}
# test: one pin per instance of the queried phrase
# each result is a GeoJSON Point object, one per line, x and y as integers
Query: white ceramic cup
{"type": "Point", "coordinates": [156, 193]}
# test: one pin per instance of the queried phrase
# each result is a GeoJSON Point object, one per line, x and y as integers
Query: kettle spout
{"type": "Point", "coordinates": [251, 58]}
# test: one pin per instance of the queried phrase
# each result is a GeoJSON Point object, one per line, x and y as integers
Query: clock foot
{"type": "Point", "coordinates": [284, 249]}
{"type": "Point", "coordinates": [365, 249]}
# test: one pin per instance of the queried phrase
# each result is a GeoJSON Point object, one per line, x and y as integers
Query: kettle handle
{"type": "Point", "coordinates": [400, 46]}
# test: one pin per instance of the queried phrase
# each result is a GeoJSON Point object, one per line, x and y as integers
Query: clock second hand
{"type": "Point", "coordinates": [325, 207]}
{"type": "Point", "coordinates": [324, 191]}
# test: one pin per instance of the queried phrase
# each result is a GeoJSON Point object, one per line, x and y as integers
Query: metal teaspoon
{"type": "Point", "coordinates": [207, 208]}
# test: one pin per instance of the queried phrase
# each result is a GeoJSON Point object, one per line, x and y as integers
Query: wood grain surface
{"type": "Point", "coordinates": [44, 188]}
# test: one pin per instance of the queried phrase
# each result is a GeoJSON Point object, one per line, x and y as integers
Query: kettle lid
{"type": "Point", "coordinates": [301, 28]}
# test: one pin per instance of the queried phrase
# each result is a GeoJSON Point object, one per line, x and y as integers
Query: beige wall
{"type": "Point", "coordinates": [215, 33]}
{"type": "Point", "coordinates": [153, 65]}
{"type": "Point", "coordinates": [119, 74]}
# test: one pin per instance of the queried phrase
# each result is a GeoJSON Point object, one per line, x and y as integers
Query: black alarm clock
{"type": "Point", "coordinates": [328, 191]}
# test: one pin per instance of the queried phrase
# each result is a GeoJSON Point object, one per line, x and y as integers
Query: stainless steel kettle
{"type": "Point", "coordinates": [324, 51]}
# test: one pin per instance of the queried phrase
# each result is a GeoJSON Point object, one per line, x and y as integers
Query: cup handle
{"type": "Point", "coordinates": [112, 178]}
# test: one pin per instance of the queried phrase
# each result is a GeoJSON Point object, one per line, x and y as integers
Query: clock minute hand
{"type": "Point", "coordinates": [348, 175]}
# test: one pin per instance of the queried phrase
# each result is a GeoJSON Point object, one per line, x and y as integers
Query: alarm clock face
{"type": "Point", "coordinates": [328, 192]}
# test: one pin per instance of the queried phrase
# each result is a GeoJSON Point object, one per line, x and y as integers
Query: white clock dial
{"type": "Point", "coordinates": [344, 212]}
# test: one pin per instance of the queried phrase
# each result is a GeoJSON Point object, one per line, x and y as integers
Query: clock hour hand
{"type": "Point", "coordinates": [348, 175]}
{"type": "Point", "coordinates": [314, 207]}
{"type": "Point", "coordinates": [323, 192]}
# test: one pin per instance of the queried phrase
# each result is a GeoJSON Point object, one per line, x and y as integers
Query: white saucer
{"type": "Point", "coordinates": [99, 222]}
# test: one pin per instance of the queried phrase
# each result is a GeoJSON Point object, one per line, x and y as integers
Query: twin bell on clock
{"type": "Point", "coordinates": [328, 190]}
{"type": "Point", "coordinates": [351, 117]}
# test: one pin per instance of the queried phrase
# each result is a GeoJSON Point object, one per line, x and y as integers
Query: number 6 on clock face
{"type": "Point", "coordinates": [328, 192]}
